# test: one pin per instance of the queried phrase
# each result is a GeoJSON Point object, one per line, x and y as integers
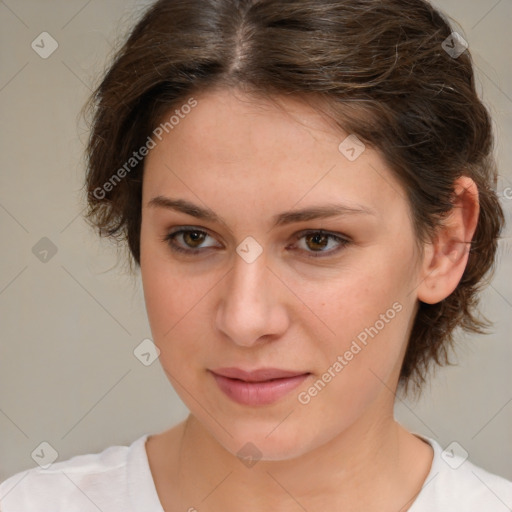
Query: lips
{"type": "Point", "coordinates": [262, 386]}
{"type": "Point", "coordinates": [260, 375]}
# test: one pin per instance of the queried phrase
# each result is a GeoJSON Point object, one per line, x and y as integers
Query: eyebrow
{"type": "Point", "coordinates": [281, 219]}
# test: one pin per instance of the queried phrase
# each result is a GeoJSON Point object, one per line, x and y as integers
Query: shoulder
{"type": "Point", "coordinates": [455, 483]}
{"type": "Point", "coordinates": [81, 483]}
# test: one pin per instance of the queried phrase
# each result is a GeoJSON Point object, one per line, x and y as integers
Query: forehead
{"type": "Point", "coordinates": [283, 151]}
{"type": "Point", "coordinates": [228, 122]}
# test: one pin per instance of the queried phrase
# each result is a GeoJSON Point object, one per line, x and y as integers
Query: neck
{"type": "Point", "coordinates": [368, 466]}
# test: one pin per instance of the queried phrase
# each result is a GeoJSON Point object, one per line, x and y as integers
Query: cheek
{"type": "Point", "coordinates": [360, 364]}
{"type": "Point", "coordinates": [167, 304]}
{"type": "Point", "coordinates": [169, 299]}
{"type": "Point", "coordinates": [164, 292]}
{"type": "Point", "coordinates": [368, 309]}
{"type": "Point", "coordinates": [175, 305]}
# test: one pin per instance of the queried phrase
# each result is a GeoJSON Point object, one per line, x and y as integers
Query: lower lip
{"type": "Point", "coordinates": [257, 393]}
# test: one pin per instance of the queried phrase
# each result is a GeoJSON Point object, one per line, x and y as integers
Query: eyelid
{"type": "Point", "coordinates": [304, 232]}
{"type": "Point", "coordinates": [185, 229]}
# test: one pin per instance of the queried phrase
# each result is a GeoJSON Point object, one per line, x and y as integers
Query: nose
{"type": "Point", "coordinates": [251, 307]}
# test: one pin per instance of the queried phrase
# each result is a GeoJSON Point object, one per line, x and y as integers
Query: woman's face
{"type": "Point", "coordinates": [238, 280]}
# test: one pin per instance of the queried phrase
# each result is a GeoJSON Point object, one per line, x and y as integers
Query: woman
{"type": "Point", "coordinates": [307, 187]}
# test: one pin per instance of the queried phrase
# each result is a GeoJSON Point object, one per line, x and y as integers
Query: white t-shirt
{"type": "Point", "coordinates": [119, 480]}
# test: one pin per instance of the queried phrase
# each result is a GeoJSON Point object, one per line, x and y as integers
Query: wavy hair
{"type": "Point", "coordinates": [379, 68]}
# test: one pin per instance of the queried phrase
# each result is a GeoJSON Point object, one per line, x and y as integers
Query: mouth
{"type": "Point", "coordinates": [257, 387]}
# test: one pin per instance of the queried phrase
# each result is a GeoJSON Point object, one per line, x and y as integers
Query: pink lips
{"type": "Point", "coordinates": [258, 387]}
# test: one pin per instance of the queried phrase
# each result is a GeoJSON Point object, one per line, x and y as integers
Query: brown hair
{"type": "Point", "coordinates": [377, 67]}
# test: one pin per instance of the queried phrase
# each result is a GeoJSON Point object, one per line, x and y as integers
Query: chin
{"type": "Point", "coordinates": [263, 441]}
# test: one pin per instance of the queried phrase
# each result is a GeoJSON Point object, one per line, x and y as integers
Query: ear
{"type": "Point", "coordinates": [446, 257]}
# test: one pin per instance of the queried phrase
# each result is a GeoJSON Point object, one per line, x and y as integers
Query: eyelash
{"type": "Point", "coordinates": [343, 241]}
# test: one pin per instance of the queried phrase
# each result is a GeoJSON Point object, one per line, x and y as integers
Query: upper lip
{"type": "Point", "coordinates": [258, 375]}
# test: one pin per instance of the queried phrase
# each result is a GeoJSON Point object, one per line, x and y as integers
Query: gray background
{"type": "Point", "coordinates": [68, 375]}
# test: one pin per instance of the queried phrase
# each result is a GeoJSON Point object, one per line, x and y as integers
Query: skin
{"type": "Point", "coordinates": [248, 160]}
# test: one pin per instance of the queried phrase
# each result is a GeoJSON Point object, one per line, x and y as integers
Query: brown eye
{"type": "Point", "coordinates": [190, 241]}
{"type": "Point", "coordinates": [318, 244]}
{"type": "Point", "coordinates": [193, 239]}
{"type": "Point", "coordinates": [317, 241]}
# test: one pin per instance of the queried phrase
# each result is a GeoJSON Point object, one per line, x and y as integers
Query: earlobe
{"type": "Point", "coordinates": [446, 257]}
